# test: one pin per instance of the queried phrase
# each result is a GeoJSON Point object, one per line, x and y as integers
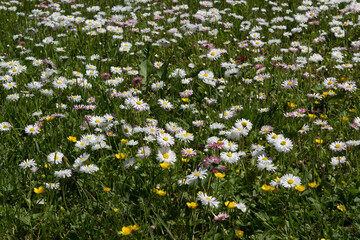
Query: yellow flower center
{"type": "Point", "coordinates": [290, 181]}
{"type": "Point", "coordinates": [283, 143]}
{"type": "Point", "coordinates": [166, 156]}
{"type": "Point", "coordinates": [229, 155]}
{"type": "Point", "coordinates": [337, 145]}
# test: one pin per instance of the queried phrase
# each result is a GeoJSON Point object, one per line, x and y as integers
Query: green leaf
{"type": "Point", "coordinates": [145, 69]}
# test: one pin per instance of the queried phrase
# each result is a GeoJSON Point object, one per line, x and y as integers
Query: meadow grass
{"type": "Point", "coordinates": [145, 119]}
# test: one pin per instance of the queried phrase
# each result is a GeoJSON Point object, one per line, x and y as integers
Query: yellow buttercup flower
{"type": "Point", "coordinates": [159, 192]}
{"type": "Point", "coordinates": [229, 204]}
{"type": "Point", "coordinates": [165, 165]}
{"type": "Point", "coordinates": [219, 175]}
{"type": "Point", "coordinates": [345, 119]}
{"type": "Point", "coordinates": [319, 141]}
{"type": "Point", "coordinates": [124, 140]}
{"type": "Point", "coordinates": [39, 190]}
{"type": "Point", "coordinates": [266, 187]}
{"type": "Point", "coordinates": [292, 105]}
{"type": "Point", "coordinates": [135, 227]}
{"type": "Point", "coordinates": [341, 208]}
{"type": "Point", "coordinates": [185, 159]}
{"type": "Point", "coordinates": [313, 185]}
{"type": "Point", "coordinates": [107, 189]}
{"type": "Point", "coordinates": [71, 139]}
{"type": "Point", "coordinates": [120, 156]}
{"type": "Point", "coordinates": [300, 188]}
{"type": "Point", "coordinates": [126, 230]}
{"type": "Point", "coordinates": [239, 233]}
{"type": "Point", "coordinates": [192, 204]}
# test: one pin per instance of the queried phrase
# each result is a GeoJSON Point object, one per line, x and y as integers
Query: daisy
{"type": "Point", "coordinates": [263, 159]}
{"type": "Point", "coordinates": [32, 129]}
{"type": "Point", "coordinates": [268, 166]}
{"type": "Point", "coordinates": [289, 84]}
{"type": "Point", "coordinates": [243, 123]}
{"type": "Point", "coordinates": [165, 140]}
{"type": "Point", "coordinates": [197, 174]}
{"type": "Point", "coordinates": [129, 162]}
{"type": "Point", "coordinates": [241, 206]}
{"type": "Point", "coordinates": [208, 200]}
{"type": "Point", "coordinates": [221, 216]}
{"type": "Point", "coordinates": [188, 152]}
{"type": "Point", "coordinates": [165, 104]}
{"type": "Point", "coordinates": [184, 136]}
{"type": "Point", "coordinates": [283, 145]}
{"type": "Point", "coordinates": [229, 157]}
{"type": "Point", "coordinates": [198, 123]}
{"type": "Point", "coordinates": [89, 168]}
{"type": "Point", "coordinates": [266, 129]}
{"type": "Point", "coordinates": [158, 65]}
{"type": "Point", "coordinates": [165, 154]}
{"type": "Point", "coordinates": [63, 173]}
{"type": "Point", "coordinates": [275, 182]}
{"type": "Point", "coordinates": [28, 163]}
{"type": "Point", "coordinates": [157, 85]}
{"type": "Point", "coordinates": [304, 129]}
{"type": "Point", "coordinates": [229, 146]}
{"type": "Point", "coordinates": [335, 161]}
{"type": "Point", "coordinates": [5, 126]}
{"type": "Point", "coordinates": [290, 181]}
{"type": "Point", "coordinates": [237, 133]}
{"type": "Point", "coordinates": [55, 157]}
{"type": "Point", "coordinates": [52, 185]}
{"type": "Point", "coordinates": [206, 75]}
{"type": "Point", "coordinates": [143, 152]}
{"type": "Point", "coordinates": [214, 54]}
{"type": "Point", "coordinates": [337, 146]}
